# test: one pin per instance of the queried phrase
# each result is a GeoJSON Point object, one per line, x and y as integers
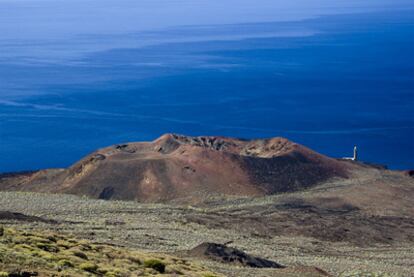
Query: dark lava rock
{"type": "Point", "coordinates": [409, 173]}
{"type": "Point", "coordinates": [6, 215]}
{"type": "Point", "coordinates": [125, 148]}
{"type": "Point", "coordinates": [23, 274]}
{"type": "Point", "coordinates": [106, 193]}
{"type": "Point", "coordinates": [223, 253]}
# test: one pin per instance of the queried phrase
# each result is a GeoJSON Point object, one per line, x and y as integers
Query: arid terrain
{"type": "Point", "coordinates": [309, 216]}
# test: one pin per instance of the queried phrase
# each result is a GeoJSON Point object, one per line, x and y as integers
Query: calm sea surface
{"type": "Point", "coordinates": [79, 75]}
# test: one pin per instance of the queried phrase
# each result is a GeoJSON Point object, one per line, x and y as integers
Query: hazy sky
{"type": "Point", "coordinates": [42, 18]}
{"type": "Point", "coordinates": [65, 26]}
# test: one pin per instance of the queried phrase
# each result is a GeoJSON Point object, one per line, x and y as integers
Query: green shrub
{"type": "Point", "coordinates": [88, 267]}
{"type": "Point", "coordinates": [65, 263]}
{"type": "Point", "coordinates": [64, 244]}
{"type": "Point", "coordinates": [80, 254]}
{"type": "Point", "coordinates": [155, 264]}
{"type": "Point", "coordinates": [47, 247]}
{"type": "Point", "coordinates": [3, 274]}
{"type": "Point", "coordinates": [112, 274]}
{"type": "Point", "coordinates": [52, 238]}
{"type": "Point", "coordinates": [134, 260]}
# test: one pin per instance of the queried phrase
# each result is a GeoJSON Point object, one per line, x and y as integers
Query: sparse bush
{"type": "Point", "coordinates": [73, 241]}
{"type": "Point", "coordinates": [47, 247]}
{"type": "Point", "coordinates": [134, 260]}
{"type": "Point", "coordinates": [64, 244]}
{"type": "Point", "coordinates": [23, 247]}
{"type": "Point", "coordinates": [46, 256]}
{"type": "Point", "coordinates": [84, 245]}
{"type": "Point", "coordinates": [65, 263]}
{"type": "Point", "coordinates": [112, 274]}
{"type": "Point", "coordinates": [80, 254]}
{"type": "Point", "coordinates": [174, 270]}
{"type": "Point", "coordinates": [52, 238]}
{"type": "Point", "coordinates": [155, 264]}
{"type": "Point", "coordinates": [88, 267]}
{"type": "Point", "coordinates": [102, 271]}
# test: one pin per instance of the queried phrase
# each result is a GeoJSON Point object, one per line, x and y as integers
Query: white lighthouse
{"type": "Point", "coordinates": [355, 157]}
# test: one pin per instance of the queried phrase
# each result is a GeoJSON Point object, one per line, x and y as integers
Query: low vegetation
{"type": "Point", "coordinates": [155, 228]}
{"type": "Point", "coordinates": [47, 253]}
{"type": "Point", "coordinates": [155, 264]}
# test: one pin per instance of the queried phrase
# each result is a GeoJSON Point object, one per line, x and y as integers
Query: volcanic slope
{"type": "Point", "coordinates": [187, 169]}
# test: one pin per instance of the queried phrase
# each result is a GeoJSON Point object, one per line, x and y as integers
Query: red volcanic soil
{"type": "Point", "coordinates": [188, 169]}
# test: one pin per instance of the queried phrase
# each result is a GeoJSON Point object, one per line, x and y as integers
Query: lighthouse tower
{"type": "Point", "coordinates": [355, 157]}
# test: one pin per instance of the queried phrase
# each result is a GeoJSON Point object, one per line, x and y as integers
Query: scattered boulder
{"type": "Point", "coordinates": [226, 254]}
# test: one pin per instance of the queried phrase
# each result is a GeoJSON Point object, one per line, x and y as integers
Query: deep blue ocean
{"type": "Point", "coordinates": [328, 81]}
